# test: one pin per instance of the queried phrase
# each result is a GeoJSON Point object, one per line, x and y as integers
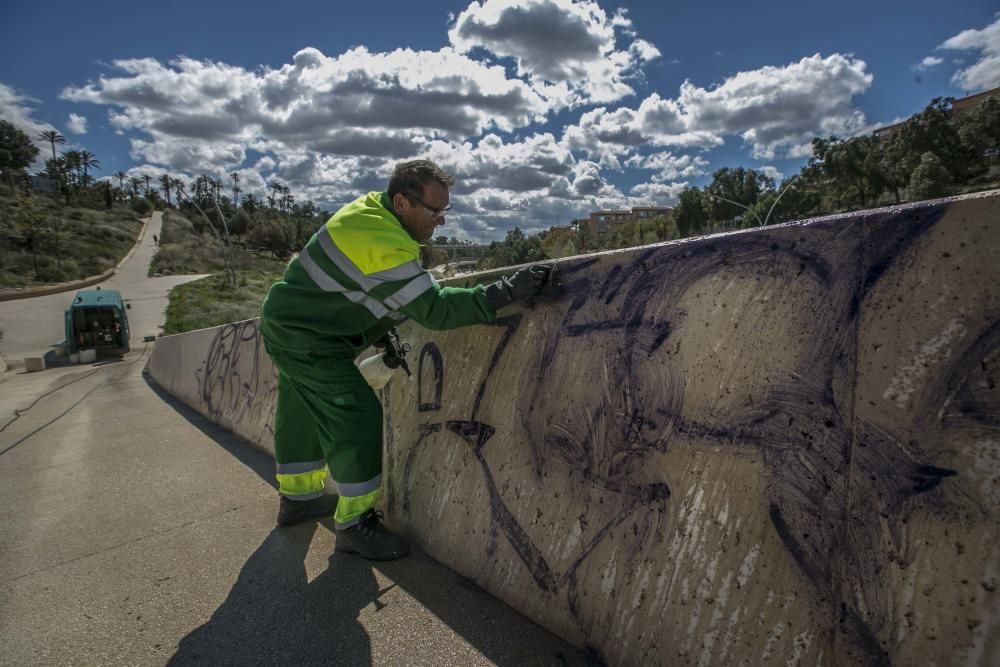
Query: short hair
{"type": "Point", "coordinates": [412, 176]}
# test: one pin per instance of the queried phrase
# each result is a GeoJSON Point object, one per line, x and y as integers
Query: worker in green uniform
{"type": "Point", "coordinates": [357, 278]}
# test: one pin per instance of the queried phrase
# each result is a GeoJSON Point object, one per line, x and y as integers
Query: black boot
{"type": "Point", "coordinates": [291, 512]}
{"type": "Point", "coordinates": [370, 539]}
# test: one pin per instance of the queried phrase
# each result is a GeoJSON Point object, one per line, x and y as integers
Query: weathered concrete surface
{"type": "Point", "coordinates": [135, 532]}
{"type": "Point", "coordinates": [779, 444]}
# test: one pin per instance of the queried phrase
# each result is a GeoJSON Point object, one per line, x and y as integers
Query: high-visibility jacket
{"type": "Point", "coordinates": [356, 278]}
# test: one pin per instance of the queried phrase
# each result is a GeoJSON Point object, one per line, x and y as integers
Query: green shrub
{"type": "Point", "coordinates": [142, 207]}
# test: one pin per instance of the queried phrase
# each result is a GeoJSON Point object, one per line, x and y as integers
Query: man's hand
{"type": "Point", "coordinates": [524, 284]}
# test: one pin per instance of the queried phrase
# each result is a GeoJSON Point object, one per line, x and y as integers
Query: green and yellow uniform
{"type": "Point", "coordinates": [356, 278]}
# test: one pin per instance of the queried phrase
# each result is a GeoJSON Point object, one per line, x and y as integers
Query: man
{"type": "Point", "coordinates": [356, 278]}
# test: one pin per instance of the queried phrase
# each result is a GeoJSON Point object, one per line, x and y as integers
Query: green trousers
{"type": "Point", "coordinates": [327, 417]}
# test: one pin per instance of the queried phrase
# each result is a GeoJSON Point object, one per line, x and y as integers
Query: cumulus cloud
{"type": "Point", "coordinates": [356, 103]}
{"type": "Point", "coordinates": [16, 109]}
{"type": "Point", "coordinates": [985, 72]}
{"type": "Point", "coordinates": [77, 124]}
{"type": "Point", "coordinates": [928, 63]}
{"type": "Point", "coordinates": [773, 109]}
{"type": "Point", "coordinates": [772, 172]}
{"type": "Point", "coordinates": [668, 166]}
{"type": "Point", "coordinates": [568, 49]}
{"type": "Point", "coordinates": [656, 194]}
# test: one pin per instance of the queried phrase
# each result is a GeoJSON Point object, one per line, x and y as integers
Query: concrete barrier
{"type": "Point", "coordinates": [34, 364]}
{"type": "Point", "coordinates": [778, 444]}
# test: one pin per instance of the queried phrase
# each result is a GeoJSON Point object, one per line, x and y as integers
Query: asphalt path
{"type": "Point", "coordinates": [32, 326]}
{"type": "Point", "coordinates": [135, 532]}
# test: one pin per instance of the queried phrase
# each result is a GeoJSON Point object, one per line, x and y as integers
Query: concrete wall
{"type": "Point", "coordinates": [778, 445]}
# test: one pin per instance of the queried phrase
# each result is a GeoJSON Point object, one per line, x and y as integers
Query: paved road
{"type": "Point", "coordinates": [32, 326]}
{"type": "Point", "coordinates": [133, 531]}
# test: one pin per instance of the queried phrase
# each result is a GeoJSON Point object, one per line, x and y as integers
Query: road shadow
{"type": "Point", "coordinates": [240, 448]}
{"type": "Point", "coordinates": [275, 616]}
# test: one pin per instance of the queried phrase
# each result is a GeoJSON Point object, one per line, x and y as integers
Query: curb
{"type": "Point", "coordinates": [29, 292]}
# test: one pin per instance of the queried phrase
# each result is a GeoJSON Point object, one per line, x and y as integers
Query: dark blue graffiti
{"type": "Point", "coordinates": [803, 427]}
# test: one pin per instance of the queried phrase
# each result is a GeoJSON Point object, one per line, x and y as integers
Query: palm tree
{"type": "Point", "coordinates": [250, 202]}
{"type": "Point", "coordinates": [135, 182]}
{"type": "Point", "coordinates": [53, 137]}
{"type": "Point", "coordinates": [166, 182]}
{"type": "Point", "coordinates": [88, 160]}
{"type": "Point", "coordinates": [73, 165]}
{"type": "Point", "coordinates": [180, 189]}
{"type": "Point", "coordinates": [146, 177]}
{"type": "Point", "coordinates": [236, 187]}
{"type": "Point", "coordinates": [276, 188]}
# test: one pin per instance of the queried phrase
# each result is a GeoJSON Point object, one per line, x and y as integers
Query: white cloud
{"type": "Point", "coordinates": [15, 108]}
{"type": "Point", "coordinates": [670, 167]}
{"type": "Point", "coordinates": [568, 49]}
{"type": "Point", "coordinates": [985, 72]}
{"type": "Point", "coordinates": [773, 109]}
{"type": "Point", "coordinates": [772, 172]}
{"type": "Point", "coordinates": [77, 124]}
{"type": "Point", "coordinates": [656, 194]}
{"type": "Point", "coordinates": [930, 62]}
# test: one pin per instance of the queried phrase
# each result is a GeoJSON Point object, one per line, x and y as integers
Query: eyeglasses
{"type": "Point", "coordinates": [435, 212]}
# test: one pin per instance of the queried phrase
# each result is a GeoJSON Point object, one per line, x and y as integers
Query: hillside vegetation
{"type": "Point", "coordinates": [44, 240]}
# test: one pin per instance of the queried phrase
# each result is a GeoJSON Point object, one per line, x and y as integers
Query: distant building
{"type": "Point", "coordinates": [959, 106]}
{"type": "Point", "coordinates": [966, 103]}
{"type": "Point", "coordinates": [604, 222]}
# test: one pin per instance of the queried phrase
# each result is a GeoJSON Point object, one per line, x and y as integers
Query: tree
{"type": "Point", "coordinates": [16, 150]}
{"type": "Point", "coordinates": [931, 131]}
{"type": "Point", "coordinates": [854, 168]}
{"type": "Point", "coordinates": [236, 187]}
{"type": "Point", "coordinates": [251, 202]}
{"type": "Point", "coordinates": [166, 182]}
{"type": "Point", "coordinates": [135, 182]}
{"type": "Point", "coordinates": [930, 178]}
{"type": "Point", "coordinates": [88, 161]}
{"type": "Point", "coordinates": [73, 167]}
{"type": "Point", "coordinates": [120, 175]}
{"type": "Point", "coordinates": [691, 214]}
{"type": "Point", "coordinates": [516, 248]}
{"type": "Point", "coordinates": [732, 190]}
{"type": "Point", "coordinates": [53, 137]}
{"type": "Point", "coordinates": [979, 128]}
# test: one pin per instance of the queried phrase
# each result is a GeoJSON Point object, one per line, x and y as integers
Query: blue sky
{"type": "Point", "coordinates": [543, 109]}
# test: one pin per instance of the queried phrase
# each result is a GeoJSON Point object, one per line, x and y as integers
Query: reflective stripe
{"type": "Point", "coordinates": [401, 272]}
{"type": "Point", "coordinates": [350, 490]}
{"type": "Point", "coordinates": [304, 497]}
{"type": "Point", "coordinates": [350, 510]}
{"type": "Point", "coordinates": [328, 284]}
{"type": "Point", "coordinates": [301, 485]}
{"type": "Point", "coordinates": [410, 291]}
{"type": "Point", "coordinates": [371, 281]}
{"type": "Point", "coordinates": [294, 468]}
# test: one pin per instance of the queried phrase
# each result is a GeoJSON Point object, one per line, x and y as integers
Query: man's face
{"type": "Point", "coordinates": [420, 218]}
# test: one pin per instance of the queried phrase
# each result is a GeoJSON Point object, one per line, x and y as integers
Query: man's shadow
{"type": "Point", "coordinates": [275, 615]}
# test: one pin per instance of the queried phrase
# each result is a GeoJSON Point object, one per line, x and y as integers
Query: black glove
{"type": "Point", "coordinates": [524, 284]}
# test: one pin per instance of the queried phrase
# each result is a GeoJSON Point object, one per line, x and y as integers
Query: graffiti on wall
{"type": "Point", "coordinates": [799, 421]}
{"type": "Point", "coordinates": [234, 386]}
